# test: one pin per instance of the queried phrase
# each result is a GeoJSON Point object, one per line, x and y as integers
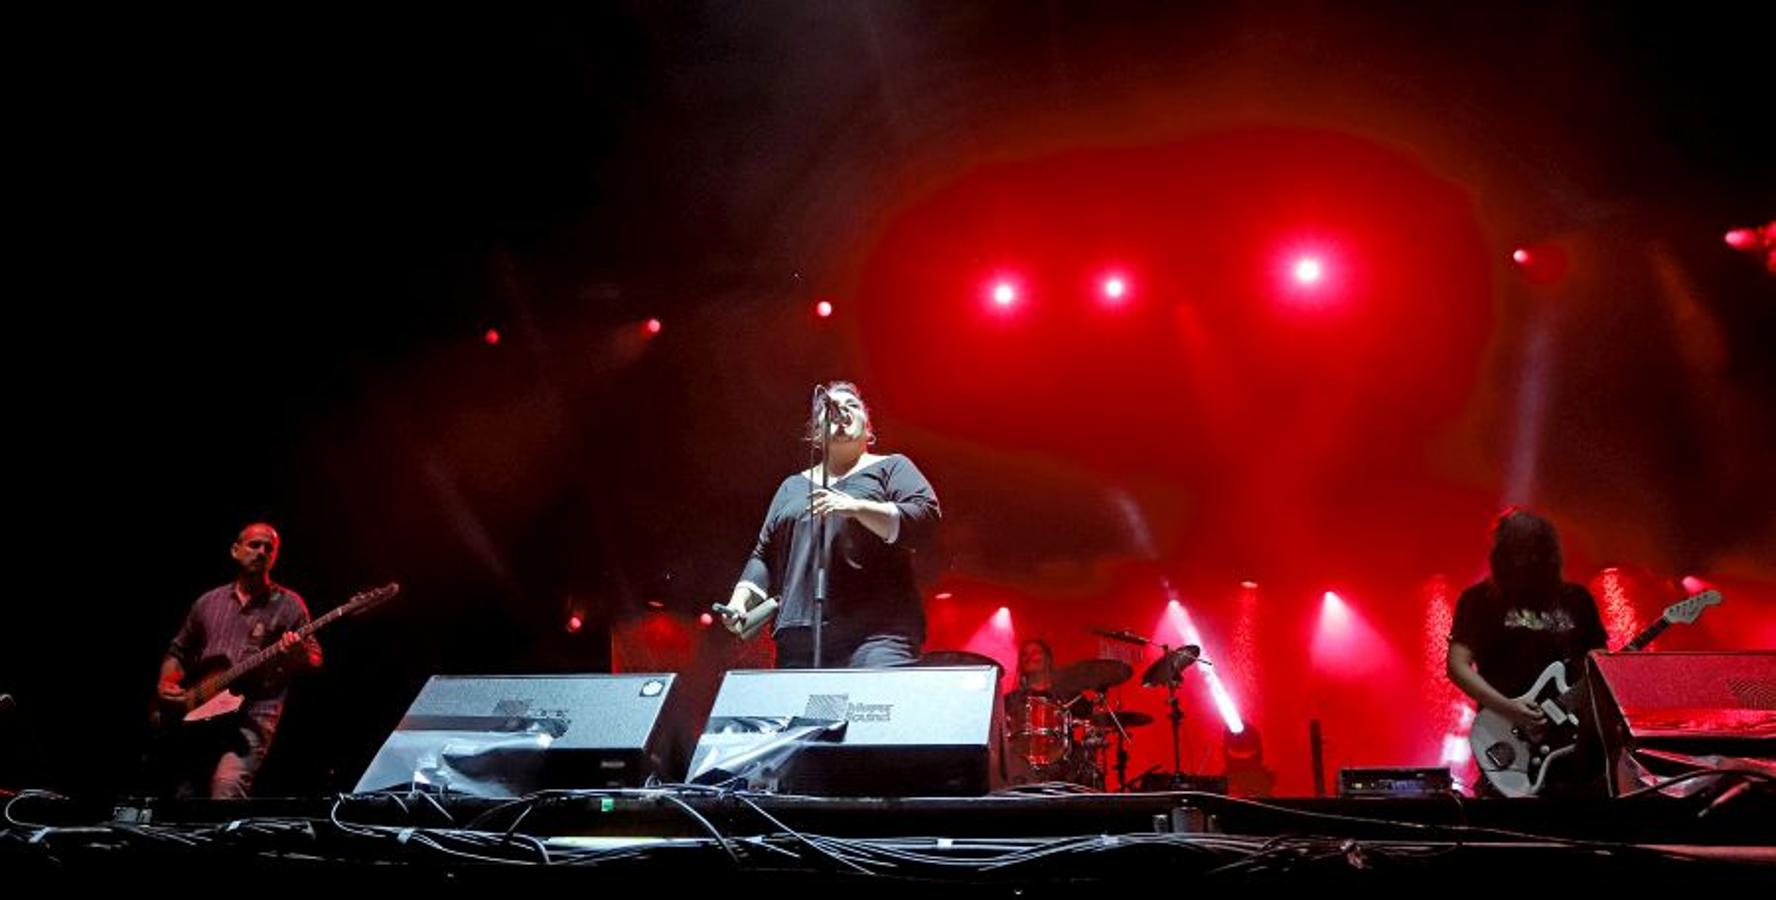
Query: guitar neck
{"type": "Point", "coordinates": [1646, 637]}
{"type": "Point", "coordinates": [221, 682]}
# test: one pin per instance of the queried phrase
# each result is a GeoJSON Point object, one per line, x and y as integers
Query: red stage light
{"type": "Point", "coordinates": [1741, 238]}
{"type": "Point", "coordinates": [706, 620]}
{"type": "Point", "coordinates": [575, 623]}
{"type": "Point", "coordinates": [491, 337]}
{"type": "Point", "coordinates": [1541, 264]}
{"type": "Point", "coordinates": [1005, 294]}
{"type": "Point", "coordinates": [1335, 616]}
{"type": "Point", "coordinates": [1308, 270]}
{"type": "Point", "coordinates": [823, 309]}
{"type": "Point", "coordinates": [653, 326]}
{"type": "Point", "coordinates": [1115, 288]}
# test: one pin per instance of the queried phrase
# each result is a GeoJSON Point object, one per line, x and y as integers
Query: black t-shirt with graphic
{"type": "Point", "coordinates": [1514, 639]}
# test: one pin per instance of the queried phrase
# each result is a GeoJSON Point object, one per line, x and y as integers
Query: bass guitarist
{"type": "Point", "coordinates": [219, 757]}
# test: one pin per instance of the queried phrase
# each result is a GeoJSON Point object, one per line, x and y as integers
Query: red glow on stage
{"type": "Point", "coordinates": [1742, 238]}
{"type": "Point", "coordinates": [706, 620]}
{"type": "Point", "coordinates": [668, 636]}
{"type": "Point", "coordinates": [1175, 629]}
{"type": "Point", "coordinates": [1448, 709]}
{"type": "Point", "coordinates": [1541, 264]}
{"type": "Point", "coordinates": [1438, 621]}
{"type": "Point", "coordinates": [1617, 607]}
{"type": "Point", "coordinates": [1335, 616]}
{"type": "Point", "coordinates": [653, 326]}
{"type": "Point", "coordinates": [656, 604]}
{"type": "Point", "coordinates": [1243, 664]}
{"type": "Point", "coordinates": [823, 309]}
{"type": "Point", "coordinates": [1345, 645]}
{"type": "Point", "coordinates": [944, 595]}
{"type": "Point", "coordinates": [997, 640]}
{"type": "Point", "coordinates": [1693, 585]}
{"type": "Point", "coordinates": [575, 623]}
{"type": "Point", "coordinates": [492, 336]}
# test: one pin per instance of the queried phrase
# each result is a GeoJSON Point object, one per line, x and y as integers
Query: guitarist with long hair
{"type": "Point", "coordinates": [220, 756]}
{"type": "Point", "coordinates": [1509, 627]}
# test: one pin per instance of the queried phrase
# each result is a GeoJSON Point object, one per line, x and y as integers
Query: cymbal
{"type": "Point", "coordinates": [1128, 718]}
{"type": "Point", "coordinates": [956, 658]}
{"type": "Point", "coordinates": [1122, 634]}
{"type": "Point", "coordinates": [1091, 675]}
{"type": "Point", "coordinates": [1170, 667]}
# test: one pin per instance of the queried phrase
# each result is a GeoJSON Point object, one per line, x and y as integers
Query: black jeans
{"type": "Point", "coordinates": [846, 650]}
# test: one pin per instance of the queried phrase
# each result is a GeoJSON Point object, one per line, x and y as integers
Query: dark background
{"type": "Point", "coordinates": [257, 255]}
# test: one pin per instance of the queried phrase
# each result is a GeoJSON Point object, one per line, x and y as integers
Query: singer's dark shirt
{"type": "Point", "coordinates": [870, 582]}
{"type": "Point", "coordinates": [220, 626]}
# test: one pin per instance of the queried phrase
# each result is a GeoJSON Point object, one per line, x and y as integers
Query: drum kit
{"type": "Point", "coordinates": [1069, 732]}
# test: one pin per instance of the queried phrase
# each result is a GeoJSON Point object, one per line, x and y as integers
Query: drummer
{"type": "Point", "coordinates": [1036, 677]}
{"type": "Point", "coordinates": [1036, 663]}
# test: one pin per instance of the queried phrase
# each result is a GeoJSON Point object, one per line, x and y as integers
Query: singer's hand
{"type": "Point", "coordinates": [733, 613]}
{"type": "Point", "coordinates": [835, 503]}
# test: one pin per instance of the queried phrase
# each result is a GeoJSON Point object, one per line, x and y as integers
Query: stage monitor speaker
{"type": "Point", "coordinates": [1658, 712]}
{"type": "Point", "coordinates": [917, 731]}
{"type": "Point", "coordinates": [510, 735]}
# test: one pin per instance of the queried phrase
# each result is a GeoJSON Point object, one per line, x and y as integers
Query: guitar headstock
{"type": "Point", "coordinates": [1683, 612]}
{"type": "Point", "coordinates": [366, 600]}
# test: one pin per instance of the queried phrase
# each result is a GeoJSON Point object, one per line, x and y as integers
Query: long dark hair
{"type": "Point", "coordinates": [1525, 556]}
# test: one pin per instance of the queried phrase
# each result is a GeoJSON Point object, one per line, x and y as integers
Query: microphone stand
{"type": "Point", "coordinates": [824, 423]}
{"type": "Point", "coordinates": [1174, 677]}
{"type": "Point", "coordinates": [1122, 741]}
{"type": "Point", "coordinates": [1177, 713]}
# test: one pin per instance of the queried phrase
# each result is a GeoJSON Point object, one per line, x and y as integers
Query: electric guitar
{"type": "Point", "coordinates": [1517, 760]}
{"type": "Point", "coordinates": [206, 687]}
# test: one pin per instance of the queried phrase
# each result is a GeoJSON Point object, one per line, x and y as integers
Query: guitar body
{"type": "Point", "coordinates": [205, 698]}
{"type": "Point", "coordinates": [207, 694]}
{"type": "Point", "coordinates": [1516, 761]}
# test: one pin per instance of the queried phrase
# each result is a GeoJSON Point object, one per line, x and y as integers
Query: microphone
{"type": "Point", "coordinates": [1123, 635]}
{"type": "Point", "coordinates": [830, 410]}
{"type": "Point", "coordinates": [750, 622]}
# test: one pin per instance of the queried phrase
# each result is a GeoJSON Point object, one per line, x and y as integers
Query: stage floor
{"type": "Point", "coordinates": [1023, 844]}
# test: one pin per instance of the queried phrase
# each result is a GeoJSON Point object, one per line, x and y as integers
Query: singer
{"type": "Point", "coordinates": [879, 510]}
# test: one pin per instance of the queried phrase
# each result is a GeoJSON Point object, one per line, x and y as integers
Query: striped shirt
{"type": "Point", "coordinates": [221, 627]}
